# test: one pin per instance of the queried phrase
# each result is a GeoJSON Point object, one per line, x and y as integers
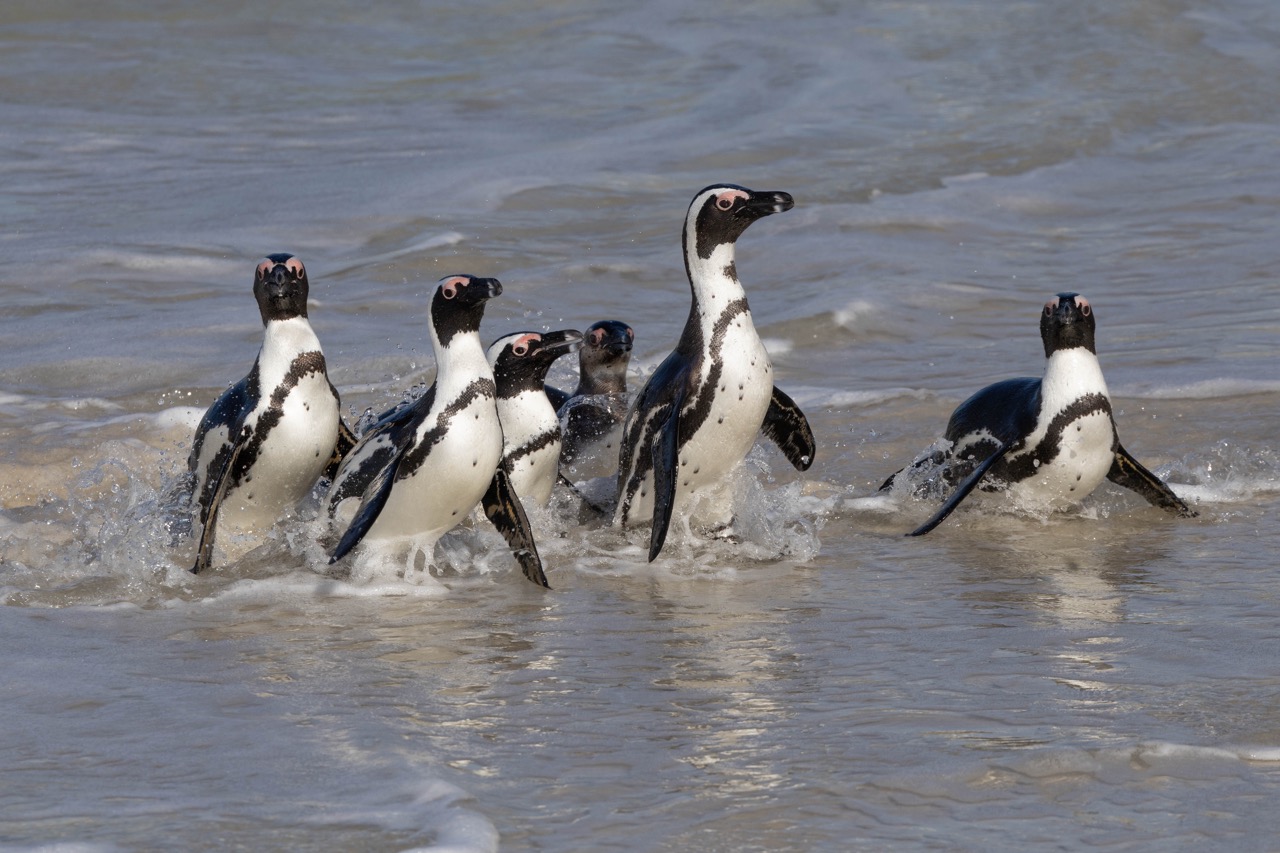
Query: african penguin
{"type": "Point", "coordinates": [592, 415]}
{"type": "Point", "coordinates": [1050, 441]}
{"type": "Point", "coordinates": [530, 428]}
{"type": "Point", "coordinates": [699, 413]}
{"type": "Point", "coordinates": [422, 467]}
{"type": "Point", "coordinates": [267, 439]}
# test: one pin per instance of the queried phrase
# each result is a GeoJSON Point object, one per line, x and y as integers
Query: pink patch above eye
{"type": "Point", "coordinates": [597, 336]}
{"type": "Point", "coordinates": [294, 266]}
{"type": "Point", "coordinates": [725, 200]}
{"type": "Point", "coordinates": [264, 266]}
{"type": "Point", "coordinates": [449, 287]}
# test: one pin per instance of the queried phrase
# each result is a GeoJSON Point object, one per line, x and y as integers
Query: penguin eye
{"type": "Point", "coordinates": [597, 336]}
{"type": "Point", "coordinates": [450, 286]}
{"type": "Point", "coordinates": [522, 345]}
{"type": "Point", "coordinates": [1049, 306]}
{"type": "Point", "coordinates": [630, 334]}
{"type": "Point", "coordinates": [1083, 305]}
{"type": "Point", "coordinates": [294, 266]}
{"type": "Point", "coordinates": [726, 199]}
{"type": "Point", "coordinates": [264, 267]}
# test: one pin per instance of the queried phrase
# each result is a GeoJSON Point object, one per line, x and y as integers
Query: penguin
{"type": "Point", "coordinates": [530, 429]}
{"type": "Point", "coordinates": [699, 413]}
{"type": "Point", "coordinates": [422, 467]}
{"type": "Point", "coordinates": [592, 415]}
{"type": "Point", "coordinates": [1050, 441]}
{"type": "Point", "coordinates": [267, 439]}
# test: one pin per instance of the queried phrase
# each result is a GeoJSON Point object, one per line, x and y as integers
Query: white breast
{"type": "Point", "coordinates": [459, 468]}
{"type": "Point", "coordinates": [300, 443]}
{"type": "Point", "coordinates": [1085, 448]}
{"type": "Point", "coordinates": [526, 419]}
{"type": "Point", "coordinates": [740, 393]}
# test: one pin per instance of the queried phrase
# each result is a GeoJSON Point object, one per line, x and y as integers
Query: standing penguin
{"type": "Point", "coordinates": [699, 413]}
{"type": "Point", "coordinates": [266, 440]}
{"type": "Point", "coordinates": [530, 428]}
{"type": "Point", "coordinates": [422, 467]}
{"type": "Point", "coordinates": [592, 415]}
{"type": "Point", "coordinates": [1051, 441]}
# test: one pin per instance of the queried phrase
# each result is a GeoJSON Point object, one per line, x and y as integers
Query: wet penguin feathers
{"type": "Point", "coordinates": [1053, 439]}
{"type": "Point", "coordinates": [423, 467]}
{"type": "Point", "coordinates": [265, 441]}
{"type": "Point", "coordinates": [703, 408]}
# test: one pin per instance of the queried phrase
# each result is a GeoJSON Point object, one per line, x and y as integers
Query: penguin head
{"type": "Point", "coordinates": [603, 359]}
{"type": "Point", "coordinates": [280, 286]}
{"type": "Point", "coordinates": [520, 361]}
{"type": "Point", "coordinates": [1066, 322]}
{"type": "Point", "coordinates": [721, 212]}
{"type": "Point", "coordinates": [458, 305]}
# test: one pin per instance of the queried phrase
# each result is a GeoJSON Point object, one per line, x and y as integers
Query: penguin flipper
{"type": "Point", "coordinates": [375, 498]}
{"type": "Point", "coordinates": [665, 453]}
{"type": "Point", "coordinates": [787, 427]}
{"type": "Point", "coordinates": [1131, 474]}
{"type": "Point", "coordinates": [503, 508]}
{"type": "Point", "coordinates": [962, 491]}
{"type": "Point", "coordinates": [380, 446]}
{"type": "Point", "coordinates": [209, 516]}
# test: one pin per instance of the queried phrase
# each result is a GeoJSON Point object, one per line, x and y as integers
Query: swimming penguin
{"type": "Point", "coordinates": [530, 428]}
{"type": "Point", "coordinates": [421, 468]}
{"type": "Point", "coordinates": [699, 413]}
{"type": "Point", "coordinates": [592, 415]}
{"type": "Point", "coordinates": [1051, 441]}
{"type": "Point", "coordinates": [266, 440]}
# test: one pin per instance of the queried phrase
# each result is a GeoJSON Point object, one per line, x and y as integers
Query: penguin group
{"type": "Point", "coordinates": [491, 433]}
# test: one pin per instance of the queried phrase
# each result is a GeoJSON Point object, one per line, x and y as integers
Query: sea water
{"type": "Point", "coordinates": [1104, 676]}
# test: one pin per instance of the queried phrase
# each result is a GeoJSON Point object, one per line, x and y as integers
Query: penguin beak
{"type": "Point", "coordinates": [1067, 311]}
{"type": "Point", "coordinates": [765, 203]}
{"type": "Point", "coordinates": [479, 290]}
{"type": "Point", "coordinates": [556, 344]}
{"type": "Point", "coordinates": [281, 287]}
{"type": "Point", "coordinates": [617, 347]}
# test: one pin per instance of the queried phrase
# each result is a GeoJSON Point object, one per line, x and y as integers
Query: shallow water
{"type": "Point", "coordinates": [1101, 677]}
